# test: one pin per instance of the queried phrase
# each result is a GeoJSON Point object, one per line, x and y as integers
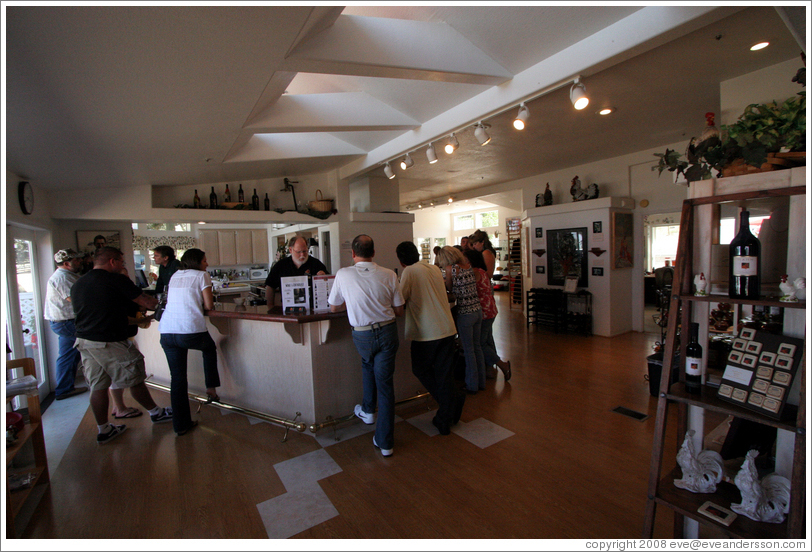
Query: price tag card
{"type": "Point", "coordinates": [750, 381]}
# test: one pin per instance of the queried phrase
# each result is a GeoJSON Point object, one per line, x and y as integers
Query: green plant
{"type": "Point", "coordinates": [762, 129]}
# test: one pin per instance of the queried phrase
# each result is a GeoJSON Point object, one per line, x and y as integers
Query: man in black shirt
{"type": "Point", "coordinates": [164, 257]}
{"type": "Point", "coordinates": [300, 263]}
{"type": "Point", "coordinates": [101, 300]}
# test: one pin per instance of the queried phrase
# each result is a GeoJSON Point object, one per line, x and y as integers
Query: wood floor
{"type": "Point", "coordinates": [572, 469]}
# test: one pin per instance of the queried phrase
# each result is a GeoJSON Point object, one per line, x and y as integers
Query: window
{"type": "Point", "coordinates": [487, 219]}
{"type": "Point", "coordinates": [163, 226]}
{"type": "Point", "coordinates": [464, 222]}
{"type": "Point", "coordinates": [727, 228]}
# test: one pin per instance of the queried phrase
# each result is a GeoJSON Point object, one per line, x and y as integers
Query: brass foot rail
{"type": "Point", "coordinates": [330, 421]}
{"type": "Point", "coordinates": [284, 422]}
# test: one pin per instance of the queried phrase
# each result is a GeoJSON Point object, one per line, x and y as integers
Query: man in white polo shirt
{"type": "Point", "coordinates": [370, 295]}
{"type": "Point", "coordinates": [59, 314]}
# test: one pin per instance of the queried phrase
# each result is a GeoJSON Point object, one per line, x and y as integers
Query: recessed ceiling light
{"type": "Point", "coordinates": [606, 111]}
{"type": "Point", "coordinates": [759, 46]}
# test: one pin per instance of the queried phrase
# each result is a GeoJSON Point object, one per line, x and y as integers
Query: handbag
{"type": "Point", "coordinates": [159, 310]}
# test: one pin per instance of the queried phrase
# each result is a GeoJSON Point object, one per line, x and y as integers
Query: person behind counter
{"type": "Point", "coordinates": [300, 263]}
{"type": "Point", "coordinates": [164, 257]}
{"type": "Point", "coordinates": [183, 327]}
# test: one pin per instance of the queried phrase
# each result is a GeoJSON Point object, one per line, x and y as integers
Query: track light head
{"type": "Point", "coordinates": [578, 95]}
{"type": "Point", "coordinates": [431, 154]}
{"type": "Point", "coordinates": [451, 200]}
{"type": "Point", "coordinates": [481, 134]}
{"type": "Point", "coordinates": [521, 118]}
{"type": "Point", "coordinates": [387, 169]}
{"type": "Point", "coordinates": [407, 162]}
{"type": "Point", "coordinates": [452, 144]}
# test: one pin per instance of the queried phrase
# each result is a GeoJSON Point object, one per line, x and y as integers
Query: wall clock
{"type": "Point", "coordinates": [26, 196]}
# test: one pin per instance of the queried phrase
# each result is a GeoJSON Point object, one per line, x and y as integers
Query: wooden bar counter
{"type": "Point", "coordinates": [281, 364]}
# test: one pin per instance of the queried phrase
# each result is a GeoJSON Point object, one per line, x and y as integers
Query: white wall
{"type": "Point", "coordinates": [765, 86]}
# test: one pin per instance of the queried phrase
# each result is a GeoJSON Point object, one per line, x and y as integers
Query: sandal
{"type": "Point", "coordinates": [212, 398]}
{"type": "Point", "coordinates": [129, 413]}
{"type": "Point", "coordinates": [507, 371]}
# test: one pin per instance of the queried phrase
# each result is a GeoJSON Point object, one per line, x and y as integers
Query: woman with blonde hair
{"type": "Point", "coordinates": [460, 280]}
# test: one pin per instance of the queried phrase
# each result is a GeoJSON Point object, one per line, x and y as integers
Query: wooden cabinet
{"type": "Point", "coordinates": [235, 247]}
{"type": "Point", "coordinates": [259, 243]}
{"type": "Point", "coordinates": [208, 242]}
{"type": "Point", "coordinates": [30, 436]}
{"type": "Point", "coordinates": [693, 237]}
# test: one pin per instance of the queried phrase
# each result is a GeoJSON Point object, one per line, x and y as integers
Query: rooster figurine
{"type": "Point", "coordinates": [700, 472]}
{"type": "Point", "coordinates": [788, 291]}
{"type": "Point", "coordinates": [579, 193]}
{"type": "Point", "coordinates": [701, 284]}
{"type": "Point", "coordinates": [765, 500]}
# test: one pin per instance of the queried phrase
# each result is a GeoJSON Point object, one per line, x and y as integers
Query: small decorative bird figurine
{"type": "Point", "coordinates": [800, 288]}
{"type": "Point", "coordinates": [701, 285]}
{"type": "Point", "coordinates": [579, 193]}
{"type": "Point", "coordinates": [788, 291]}
{"type": "Point", "coordinates": [765, 500]}
{"type": "Point", "coordinates": [700, 472]}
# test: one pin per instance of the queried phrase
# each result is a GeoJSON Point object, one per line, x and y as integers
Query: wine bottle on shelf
{"type": "Point", "coordinates": [267, 202]}
{"type": "Point", "coordinates": [255, 201]}
{"type": "Point", "coordinates": [745, 262]}
{"type": "Point", "coordinates": [694, 367]}
{"type": "Point", "coordinates": [240, 195]}
{"type": "Point", "coordinates": [197, 200]}
{"type": "Point", "coordinates": [227, 195]}
{"type": "Point", "coordinates": [212, 199]}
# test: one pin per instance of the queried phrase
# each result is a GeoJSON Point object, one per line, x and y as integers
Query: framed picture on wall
{"type": "Point", "coordinates": [539, 232]}
{"type": "Point", "coordinates": [597, 227]}
{"type": "Point", "coordinates": [540, 269]}
{"type": "Point", "coordinates": [566, 256]}
{"type": "Point", "coordinates": [86, 239]}
{"type": "Point", "coordinates": [622, 240]}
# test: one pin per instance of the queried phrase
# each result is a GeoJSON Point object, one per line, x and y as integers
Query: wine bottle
{"type": "Point", "coordinates": [212, 199]}
{"type": "Point", "coordinates": [227, 195]}
{"type": "Point", "coordinates": [694, 367]}
{"type": "Point", "coordinates": [745, 262]}
{"type": "Point", "coordinates": [197, 200]}
{"type": "Point", "coordinates": [267, 202]}
{"type": "Point", "coordinates": [255, 201]}
{"type": "Point", "coordinates": [240, 195]}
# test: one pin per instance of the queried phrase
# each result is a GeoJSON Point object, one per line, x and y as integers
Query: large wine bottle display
{"type": "Point", "coordinates": [745, 262]}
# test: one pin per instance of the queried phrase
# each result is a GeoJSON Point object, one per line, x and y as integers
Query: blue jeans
{"type": "Point", "coordinates": [68, 359]}
{"type": "Point", "coordinates": [378, 349]}
{"type": "Point", "coordinates": [176, 348]}
{"type": "Point", "coordinates": [469, 328]}
{"type": "Point", "coordinates": [488, 345]}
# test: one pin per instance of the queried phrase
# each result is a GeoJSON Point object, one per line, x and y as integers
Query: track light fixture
{"type": "Point", "coordinates": [431, 154]}
{"type": "Point", "coordinates": [451, 200]}
{"type": "Point", "coordinates": [452, 144]}
{"type": "Point", "coordinates": [407, 162]}
{"type": "Point", "coordinates": [578, 95]}
{"type": "Point", "coordinates": [481, 134]}
{"type": "Point", "coordinates": [521, 118]}
{"type": "Point", "coordinates": [387, 169]}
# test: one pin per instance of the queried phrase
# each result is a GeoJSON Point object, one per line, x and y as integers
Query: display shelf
{"type": "Point", "coordinates": [661, 490]}
{"type": "Point", "coordinates": [687, 503]}
{"type": "Point", "coordinates": [709, 401]}
{"type": "Point", "coordinates": [22, 438]}
{"type": "Point", "coordinates": [18, 497]}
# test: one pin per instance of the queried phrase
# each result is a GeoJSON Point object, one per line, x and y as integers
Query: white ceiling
{"type": "Point", "coordinates": [105, 96]}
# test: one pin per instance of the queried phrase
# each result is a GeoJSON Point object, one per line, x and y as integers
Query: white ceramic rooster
{"type": "Point", "coordinates": [788, 291]}
{"type": "Point", "coordinates": [579, 193]}
{"type": "Point", "coordinates": [701, 284]}
{"type": "Point", "coordinates": [765, 500]}
{"type": "Point", "coordinates": [700, 472]}
{"type": "Point", "coordinates": [800, 288]}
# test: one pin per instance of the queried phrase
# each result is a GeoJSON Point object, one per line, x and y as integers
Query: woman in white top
{"type": "Point", "coordinates": [183, 327]}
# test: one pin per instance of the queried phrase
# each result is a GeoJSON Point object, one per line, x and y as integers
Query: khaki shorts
{"type": "Point", "coordinates": [116, 362]}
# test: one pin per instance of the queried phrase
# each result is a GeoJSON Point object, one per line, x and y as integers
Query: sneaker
{"type": "Point", "coordinates": [165, 415]}
{"type": "Point", "coordinates": [368, 419]}
{"type": "Point", "coordinates": [384, 452]}
{"type": "Point", "coordinates": [116, 430]}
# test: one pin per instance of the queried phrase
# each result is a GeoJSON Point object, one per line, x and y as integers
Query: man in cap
{"type": "Point", "coordinates": [59, 314]}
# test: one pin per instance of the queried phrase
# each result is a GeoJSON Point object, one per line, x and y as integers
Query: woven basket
{"type": "Point", "coordinates": [321, 204]}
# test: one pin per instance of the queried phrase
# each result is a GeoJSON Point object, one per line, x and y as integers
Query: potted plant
{"type": "Point", "coordinates": [760, 135]}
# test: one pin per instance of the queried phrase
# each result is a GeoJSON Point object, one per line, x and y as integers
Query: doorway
{"type": "Point", "coordinates": [23, 312]}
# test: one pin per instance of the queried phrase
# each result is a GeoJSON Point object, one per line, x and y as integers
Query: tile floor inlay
{"type": "Point", "coordinates": [481, 432]}
{"type": "Point", "coordinates": [296, 511]}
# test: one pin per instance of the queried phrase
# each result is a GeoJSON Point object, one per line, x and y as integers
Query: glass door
{"type": "Point", "coordinates": [23, 310]}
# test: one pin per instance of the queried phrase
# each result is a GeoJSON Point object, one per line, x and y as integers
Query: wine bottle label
{"type": "Point", "coordinates": [745, 265]}
{"type": "Point", "coordinates": [693, 366]}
